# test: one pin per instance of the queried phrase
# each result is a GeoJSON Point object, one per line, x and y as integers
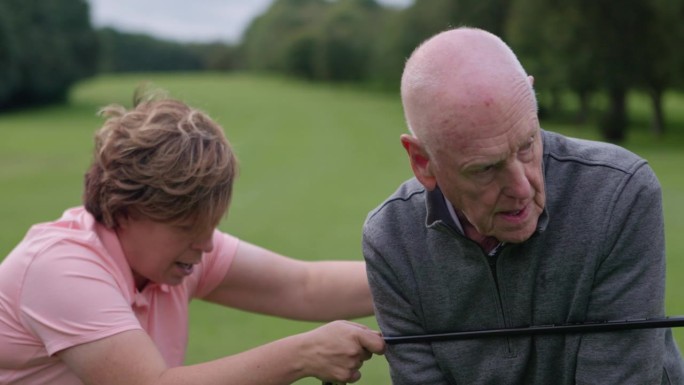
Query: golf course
{"type": "Point", "coordinates": [314, 160]}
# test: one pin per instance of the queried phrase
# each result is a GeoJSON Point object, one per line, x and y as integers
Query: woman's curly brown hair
{"type": "Point", "coordinates": [161, 160]}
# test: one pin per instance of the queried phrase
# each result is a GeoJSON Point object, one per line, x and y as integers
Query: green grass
{"type": "Point", "coordinates": [314, 160]}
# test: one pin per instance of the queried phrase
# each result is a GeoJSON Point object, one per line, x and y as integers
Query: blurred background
{"type": "Point", "coordinates": [307, 92]}
{"type": "Point", "coordinates": [578, 50]}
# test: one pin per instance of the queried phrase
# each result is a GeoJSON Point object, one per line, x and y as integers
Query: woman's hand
{"type": "Point", "coordinates": [336, 351]}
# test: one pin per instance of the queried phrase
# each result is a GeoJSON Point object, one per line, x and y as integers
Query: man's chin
{"type": "Point", "coordinates": [518, 236]}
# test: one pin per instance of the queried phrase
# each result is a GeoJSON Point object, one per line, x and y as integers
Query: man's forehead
{"type": "Point", "coordinates": [484, 144]}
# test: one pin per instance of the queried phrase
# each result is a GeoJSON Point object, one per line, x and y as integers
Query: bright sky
{"type": "Point", "coordinates": [183, 20]}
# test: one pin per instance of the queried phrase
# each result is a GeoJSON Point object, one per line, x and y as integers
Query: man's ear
{"type": "Point", "coordinates": [420, 161]}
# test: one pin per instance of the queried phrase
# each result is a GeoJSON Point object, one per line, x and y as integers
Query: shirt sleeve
{"type": "Point", "coordinates": [70, 297]}
{"type": "Point", "coordinates": [215, 264]}
{"type": "Point", "coordinates": [410, 363]}
{"type": "Point", "coordinates": [629, 282]}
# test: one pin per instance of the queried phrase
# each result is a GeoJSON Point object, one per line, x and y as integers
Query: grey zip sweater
{"type": "Point", "coordinates": [598, 254]}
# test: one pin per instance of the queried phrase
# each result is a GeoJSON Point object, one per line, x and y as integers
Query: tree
{"type": "Point", "coordinates": [281, 39]}
{"type": "Point", "coordinates": [404, 31]}
{"type": "Point", "coordinates": [553, 46]}
{"type": "Point", "coordinates": [618, 47]}
{"type": "Point", "coordinates": [661, 57]}
{"type": "Point", "coordinates": [407, 28]}
{"type": "Point", "coordinates": [50, 45]}
{"type": "Point", "coordinates": [345, 40]}
{"type": "Point", "coordinates": [126, 52]}
{"type": "Point", "coordinates": [591, 45]}
{"type": "Point", "coordinates": [490, 15]}
{"type": "Point", "coordinates": [9, 58]}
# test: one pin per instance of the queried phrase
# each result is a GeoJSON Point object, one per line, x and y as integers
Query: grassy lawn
{"type": "Point", "coordinates": [314, 160]}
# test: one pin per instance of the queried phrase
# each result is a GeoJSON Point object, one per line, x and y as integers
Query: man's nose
{"type": "Point", "coordinates": [516, 183]}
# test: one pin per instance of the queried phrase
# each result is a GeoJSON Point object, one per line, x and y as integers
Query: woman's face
{"type": "Point", "coordinates": [161, 252]}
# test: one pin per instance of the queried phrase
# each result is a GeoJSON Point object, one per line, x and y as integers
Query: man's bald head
{"type": "Point", "coordinates": [476, 134]}
{"type": "Point", "coordinates": [453, 72]}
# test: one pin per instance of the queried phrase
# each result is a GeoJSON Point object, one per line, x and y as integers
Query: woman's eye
{"type": "Point", "coordinates": [184, 229]}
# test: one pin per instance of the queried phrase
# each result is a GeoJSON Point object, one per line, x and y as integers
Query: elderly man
{"type": "Point", "coordinates": [507, 225]}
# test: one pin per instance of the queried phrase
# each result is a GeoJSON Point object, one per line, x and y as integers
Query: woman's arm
{"type": "Point", "coordinates": [333, 352]}
{"type": "Point", "coordinates": [262, 281]}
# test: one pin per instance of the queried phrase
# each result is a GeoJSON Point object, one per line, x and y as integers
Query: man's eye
{"type": "Point", "coordinates": [483, 169]}
{"type": "Point", "coordinates": [527, 148]}
{"type": "Point", "coordinates": [527, 145]}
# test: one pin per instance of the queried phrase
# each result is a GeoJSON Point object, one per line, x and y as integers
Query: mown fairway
{"type": "Point", "coordinates": [314, 160]}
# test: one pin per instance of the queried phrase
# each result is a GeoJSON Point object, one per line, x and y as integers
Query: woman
{"type": "Point", "coordinates": [100, 296]}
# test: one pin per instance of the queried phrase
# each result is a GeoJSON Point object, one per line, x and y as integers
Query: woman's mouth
{"type": "Point", "coordinates": [186, 268]}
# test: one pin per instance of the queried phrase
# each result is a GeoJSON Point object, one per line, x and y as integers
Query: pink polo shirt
{"type": "Point", "coordinates": [68, 283]}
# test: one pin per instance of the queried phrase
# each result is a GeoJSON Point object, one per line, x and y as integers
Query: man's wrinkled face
{"type": "Point", "coordinates": [490, 166]}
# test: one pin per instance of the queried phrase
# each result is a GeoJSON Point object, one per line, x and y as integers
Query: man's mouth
{"type": "Point", "coordinates": [513, 214]}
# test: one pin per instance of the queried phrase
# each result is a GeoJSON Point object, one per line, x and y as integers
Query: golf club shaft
{"type": "Point", "coordinates": [585, 327]}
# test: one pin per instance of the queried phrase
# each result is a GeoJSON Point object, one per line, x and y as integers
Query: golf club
{"type": "Point", "coordinates": [583, 327]}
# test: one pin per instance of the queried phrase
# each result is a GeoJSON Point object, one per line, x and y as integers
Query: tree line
{"type": "Point", "coordinates": [583, 48]}
{"type": "Point", "coordinates": [578, 47]}
{"type": "Point", "coordinates": [46, 46]}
